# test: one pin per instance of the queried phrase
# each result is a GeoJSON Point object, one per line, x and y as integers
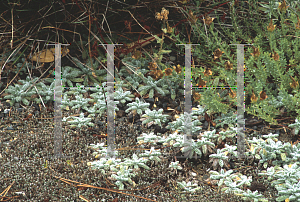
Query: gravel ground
{"type": "Point", "coordinates": [28, 171]}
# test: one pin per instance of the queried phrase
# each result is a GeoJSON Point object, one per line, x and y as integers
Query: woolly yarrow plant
{"type": "Point", "coordinates": [136, 162]}
{"type": "Point", "coordinates": [88, 71]}
{"type": "Point", "coordinates": [20, 93]}
{"type": "Point", "coordinates": [148, 138]}
{"type": "Point", "coordinates": [191, 147]}
{"type": "Point", "coordinates": [180, 126]}
{"type": "Point", "coordinates": [234, 183]}
{"type": "Point", "coordinates": [137, 106]}
{"type": "Point", "coordinates": [79, 121]}
{"type": "Point", "coordinates": [124, 175]}
{"type": "Point", "coordinates": [155, 116]}
{"type": "Point", "coordinates": [123, 96]}
{"type": "Point", "coordinates": [188, 187]}
{"type": "Point", "coordinates": [151, 85]}
{"type": "Point", "coordinates": [286, 181]}
{"type": "Point", "coordinates": [68, 75]}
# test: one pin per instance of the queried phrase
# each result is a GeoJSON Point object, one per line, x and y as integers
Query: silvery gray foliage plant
{"type": "Point", "coordinates": [100, 149]}
{"type": "Point", "coordinates": [296, 126]}
{"type": "Point", "coordinates": [151, 85]}
{"type": "Point", "coordinates": [148, 138]}
{"type": "Point", "coordinates": [136, 162]}
{"type": "Point", "coordinates": [79, 121]}
{"type": "Point", "coordinates": [152, 154]}
{"type": "Point", "coordinates": [175, 165]}
{"type": "Point", "coordinates": [155, 116]}
{"type": "Point", "coordinates": [236, 185]}
{"type": "Point", "coordinates": [124, 175]}
{"type": "Point", "coordinates": [65, 102]}
{"type": "Point", "coordinates": [191, 147]}
{"type": "Point", "coordinates": [69, 75]}
{"type": "Point", "coordinates": [46, 91]}
{"type": "Point", "coordinates": [80, 89]}
{"type": "Point", "coordinates": [229, 133]}
{"type": "Point", "coordinates": [137, 106]}
{"type": "Point", "coordinates": [221, 176]}
{"type": "Point", "coordinates": [188, 187]}
{"type": "Point", "coordinates": [179, 124]}
{"type": "Point", "coordinates": [89, 70]}
{"type": "Point", "coordinates": [286, 181]}
{"type": "Point", "coordinates": [20, 93]}
{"type": "Point", "coordinates": [229, 119]}
{"type": "Point", "coordinates": [100, 107]}
{"type": "Point", "coordinates": [255, 196]}
{"type": "Point", "coordinates": [134, 80]}
{"type": "Point", "coordinates": [218, 159]}
{"type": "Point", "coordinates": [233, 183]}
{"type": "Point", "coordinates": [123, 96]}
{"type": "Point", "coordinates": [80, 102]}
{"type": "Point", "coordinates": [172, 138]}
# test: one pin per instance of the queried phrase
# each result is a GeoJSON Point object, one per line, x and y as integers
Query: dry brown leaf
{"type": "Point", "coordinates": [294, 84]}
{"type": "Point", "coordinates": [218, 53]}
{"type": "Point", "coordinates": [228, 65]}
{"type": "Point", "coordinates": [282, 6]}
{"type": "Point", "coordinates": [253, 97]}
{"type": "Point", "coordinates": [275, 56]}
{"type": "Point", "coordinates": [47, 55]}
{"type": "Point", "coordinates": [263, 95]}
{"type": "Point", "coordinates": [256, 52]}
{"type": "Point", "coordinates": [271, 27]}
{"type": "Point", "coordinates": [208, 20]}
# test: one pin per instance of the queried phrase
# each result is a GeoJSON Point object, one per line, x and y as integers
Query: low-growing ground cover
{"type": "Point", "coordinates": [149, 105]}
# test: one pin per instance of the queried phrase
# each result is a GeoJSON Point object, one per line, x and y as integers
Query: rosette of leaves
{"type": "Point", "coordinates": [65, 102]}
{"type": "Point", "coordinates": [176, 84]}
{"type": "Point", "coordinates": [68, 75]}
{"type": "Point", "coordinates": [76, 91]}
{"type": "Point", "coordinates": [101, 150]}
{"type": "Point", "coordinates": [215, 175]}
{"type": "Point", "coordinates": [155, 116]}
{"type": "Point", "coordinates": [123, 96]}
{"type": "Point", "coordinates": [231, 133]}
{"type": "Point", "coordinates": [296, 126]}
{"type": "Point", "coordinates": [179, 124]}
{"type": "Point", "coordinates": [286, 181]}
{"type": "Point", "coordinates": [189, 187]}
{"type": "Point", "coordinates": [148, 138]}
{"type": "Point", "coordinates": [275, 151]}
{"type": "Point", "coordinates": [47, 92]}
{"type": "Point", "coordinates": [229, 119]}
{"type": "Point", "coordinates": [136, 162]}
{"type": "Point", "coordinates": [89, 72]}
{"type": "Point", "coordinates": [124, 175]}
{"type": "Point", "coordinates": [218, 159]}
{"type": "Point", "coordinates": [255, 196]}
{"type": "Point", "coordinates": [134, 80]}
{"type": "Point", "coordinates": [175, 165]}
{"type": "Point", "coordinates": [137, 106]}
{"type": "Point", "coordinates": [80, 102]}
{"type": "Point", "coordinates": [98, 165]}
{"type": "Point", "coordinates": [192, 148]}
{"type": "Point", "coordinates": [152, 154]}
{"type": "Point", "coordinates": [236, 185]}
{"type": "Point", "coordinates": [79, 121]}
{"type": "Point", "coordinates": [151, 85]}
{"type": "Point", "coordinates": [171, 138]}
{"type": "Point", "coordinates": [100, 107]}
{"type": "Point", "coordinates": [20, 93]}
